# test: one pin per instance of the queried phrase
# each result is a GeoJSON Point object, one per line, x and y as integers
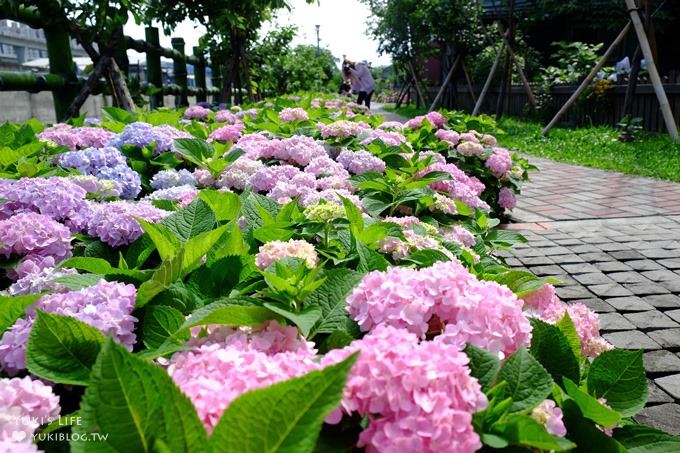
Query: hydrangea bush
{"type": "Point", "coordinates": [298, 274]}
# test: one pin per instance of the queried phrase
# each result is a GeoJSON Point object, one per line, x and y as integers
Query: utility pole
{"type": "Point", "coordinates": [318, 41]}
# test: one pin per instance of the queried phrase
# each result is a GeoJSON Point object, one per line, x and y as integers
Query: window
{"type": "Point", "coordinates": [7, 49]}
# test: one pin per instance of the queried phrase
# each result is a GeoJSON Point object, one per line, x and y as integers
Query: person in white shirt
{"type": "Point", "coordinates": [360, 79]}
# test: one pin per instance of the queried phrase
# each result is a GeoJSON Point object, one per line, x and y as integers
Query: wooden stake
{"type": "Point", "coordinates": [589, 78]}
{"type": "Point", "coordinates": [520, 70]}
{"type": "Point", "coordinates": [489, 79]}
{"type": "Point", "coordinates": [415, 80]}
{"type": "Point", "coordinates": [445, 84]}
{"type": "Point", "coordinates": [469, 82]}
{"type": "Point", "coordinates": [671, 126]}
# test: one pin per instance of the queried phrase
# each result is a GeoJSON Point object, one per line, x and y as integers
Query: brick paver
{"type": "Point", "coordinates": [614, 241]}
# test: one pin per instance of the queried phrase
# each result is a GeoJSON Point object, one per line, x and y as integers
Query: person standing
{"type": "Point", "coordinates": [360, 79]}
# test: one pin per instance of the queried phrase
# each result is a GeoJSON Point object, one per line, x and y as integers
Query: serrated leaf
{"type": "Point", "coordinates": [131, 403]}
{"type": "Point", "coordinates": [191, 221]}
{"type": "Point", "coordinates": [252, 203]}
{"type": "Point", "coordinates": [75, 282]}
{"type": "Point", "coordinates": [566, 325]}
{"type": "Point", "coordinates": [160, 323]}
{"type": "Point", "coordinates": [619, 377]}
{"type": "Point", "coordinates": [13, 308]}
{"type": "Point", "coordinates": [285, 417]}
{"type": "Point", "coordinates": [62, 349]}
{"type": "Point", "coordinates": [590, 406]}
{"type": "Point", "coordinates": [552, 349]}
{"type": "Point", "coordinates": [230, 313]}
{"type": "Point", "coordinates": [528, 383]}
{"type": "Point", "coordinates": [165, 241]}
{"type": "Point", "coordinates": [304, 319]}
{"type": "Point", "coordinates": [194, 150]}
{"type": "Point", "coordinates": [167, 273]}
{"type": "Point", "coordinates": [585, 434]}
{"type": "Point", "coordinates": [427, 257]}
{"type": "Point", "coordinates": [644, 439]}
{"type": "Point", "coordinates": [523, 430]}
{"type": "Point", "coordinates": [331, 297]}
{"type": "Point", "coordinates": [483, 365]}
{"type": "Point", "coordinates": [225, 205]}
{"type": "Point", "coordinates": [522, 283]}
{"type": "Point", "coordinates": [198, 246]}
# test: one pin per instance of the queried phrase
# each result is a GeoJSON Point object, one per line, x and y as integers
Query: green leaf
{"type": "Point", "coordinates": [590, 406]}
{"type": "Point", "coordinates": [194, 150]}
{"type": "Point", "coordinates": [370, 260]}
{"type": "Point", "coordinates": [331, 297]}
{"type": "Point", "coordinates": [356, 219]}
{"type": "Point", "coordinates": [160, 323]}
{"type": "Point", "coordinates": [168, 273]}
{"type": "Point", "coordinates": [304, 320]}
{"type": "Point", "coordinates": [552, 349]}
{"type": "Point", "coordinates": [198, 246]}
{"type": "Point", "coordinates": [165, 241]}
{"type": "Point", "coordinates": [585, 434]}
{"type": "Point", "coordinates": [483, 365]}
{"type": "Point", "coordinates": [62, 349]}
{"type": "Point", "coordinates": [427, 257]}
{"type": "Point", "coordinates": [230, 313]}
{"type": "Point", "coordinates": [643, 439]}
{"type": "Point", "coordinates": [252, 203]}
{"type": "Point", "coordinates": [13, 308]}
{"type": "Point", "coordinates": [528, 383]}
{"type": "Point", "coordinates": [566, 325]}
{"type": "Point", "coordinates": [523, 430]}
{"type": "Point", "coordinates": [285, 417]}
{"type": "Point", "coordinates": [229, 245]}
{"type": "Point", "coordinates": [522, 283]}
{"type": "Point", "coordinates": [225, 205]}
{"type": "Point", "coordinates": [191, 221]}
{"type": "Point", "coordinates": [619, 377]}
{"type": "Point", "coordinates": [75, 282]}
{"type": "Point", "coordinates": [131, 403]}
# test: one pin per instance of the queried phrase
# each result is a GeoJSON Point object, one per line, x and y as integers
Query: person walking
{"type": "Point", "coordinates": [360, 79]}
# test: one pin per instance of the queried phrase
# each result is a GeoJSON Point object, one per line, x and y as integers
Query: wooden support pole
{"type": "Point", "coordinates": [489, 80]}
{"type": "Point", "coordinates": [671, 126]}
{"type": "Point", "coordinates": [520, 70]}
{"type": "Point", "coordinates": [180, 70]}
{"type": "Point", "coordinates": [61, 63]}
{"type": "Point", "coordinates": [403, 92]}
{"type": "Point", "coordinates": [445, 84]}
{"type": "Point", "coordinates": [199, 75]}
{"type": "Point", "coordinates": [415, 81]}
{"type": "Point", "coordinates": [154, 74]}
{"type": "Point", "coordinates": [469, 82]}
{"type": "Point", "coordinates": [589, 78]}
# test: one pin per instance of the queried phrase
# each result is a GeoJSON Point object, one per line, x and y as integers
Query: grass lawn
{"type": "Point", "coordinates": [652, 155]}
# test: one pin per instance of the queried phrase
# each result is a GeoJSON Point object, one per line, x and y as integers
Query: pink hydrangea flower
{"type": "Point", "coordinates": [225, 116]}
{"type": "Point", "coordinates": [418, 396]}
{"type": "Point", "coordinates": [229, 133]}
{"type": "Point", "coordinates": [106, 306]}
{"type": "Point", "coordinates": [264, 179]}
{"type": "Point", "coordinates": [549, 415]}
{"type": "Point", "coordinates": [342, 129]}
{"type": "Point", "coordinates": [451, 137]}
{"type": "Point", "coordinates": [388, 138]}
{"type": "Point", "coordinates": [459, 235]}
{"type": "Point", "coordinates": [288, 115]}
{"type": "Point", "coordinates": [196, 112]}
{"type": "Point", "coordinates": [274, 251]}
{"type": "Point", "coordinates": [25, 404]}
{"type": "Point", "coordinates": [460, 187]}
{"type": "Point", "coordinates": [470, 149]}
{"type": "Point", "coordinates": [483, 313]}
{"type": "Point", "coordinates": [76, 137]}
{"type": "Point", "coordinates": [237, 175]}
{"type": "Point", "coordinates": [203, 178]}
{"type": "Point", "coordinates": [500, 163]}
{"type": "Point", "coordinates": [227, 363]}
{"type": "Point", "coordinates": [396, 125]}
{"type": "Point", "coordinates": [359, 162]}
{"type": "Point", "coordinates": [506, 199]}
{"type": "Point", "coordinates": [488, 140]}
{"type": "Point", "coordinates": [34, 234]}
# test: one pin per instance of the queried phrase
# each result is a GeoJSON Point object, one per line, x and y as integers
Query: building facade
{"type": "Point", "coordinates": [20, 44]}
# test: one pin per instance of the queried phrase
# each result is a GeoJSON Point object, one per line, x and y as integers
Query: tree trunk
{"type": "Point", "coordinates": [121, 92]}
{"type": "Point", "coordinates": [89, 86]}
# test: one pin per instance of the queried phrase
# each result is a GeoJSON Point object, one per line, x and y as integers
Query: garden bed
{"type": "Point", "coordinates": [295, 276]}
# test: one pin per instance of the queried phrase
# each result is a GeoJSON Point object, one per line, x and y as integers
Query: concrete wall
{"type": "Point", "coordinates": [18, 106]}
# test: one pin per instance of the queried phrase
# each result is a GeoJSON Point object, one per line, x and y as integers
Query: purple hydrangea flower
{"type": "Point", "coordinates": [107, 306]}
{"type": "Point", "coordinates": [89, 161]}
{"type": "Point", "coordinates": [54, 197]}
{"type": "Point", "coordinates": [166, 179]}
{"type": "Point", "coordinates": [359, 162]}
{"type": "Point", "coordinates": [128, 179]}
{"type": "Point", "coordinates": [34, 234]}
{"type": "Point", "coordinates": [143, 134]}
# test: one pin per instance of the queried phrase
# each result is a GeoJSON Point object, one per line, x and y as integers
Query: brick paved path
{"type": "Point", "coordinates": [614, 240]}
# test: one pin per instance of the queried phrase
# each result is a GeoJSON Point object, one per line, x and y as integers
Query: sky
{"type": "Point", "coordinates": [343, 29]}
